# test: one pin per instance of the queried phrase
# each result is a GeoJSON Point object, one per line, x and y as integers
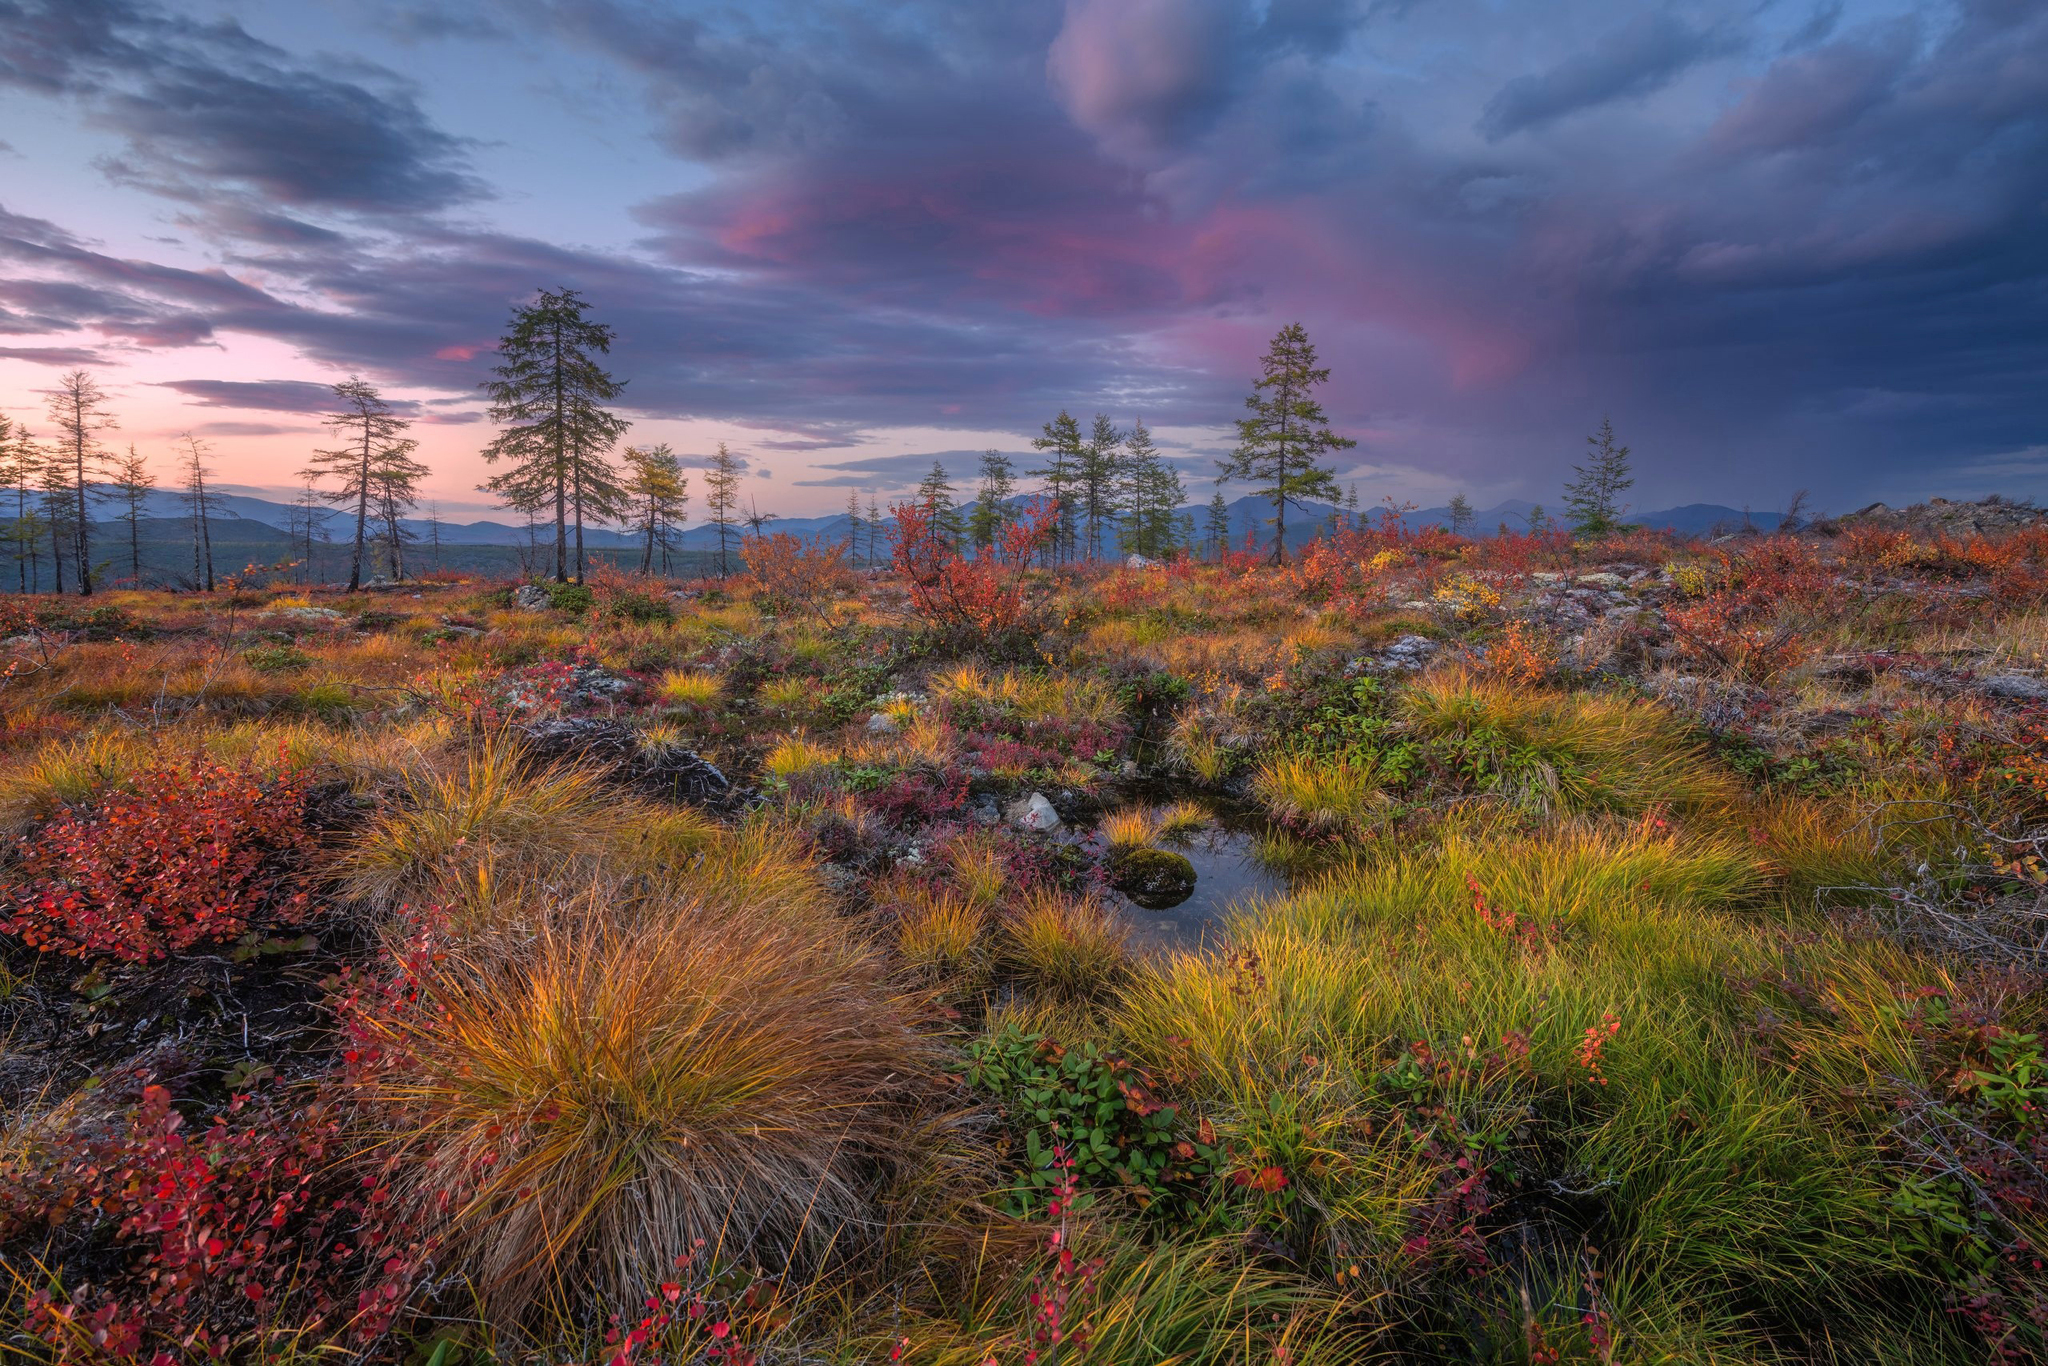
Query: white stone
{"type": "Point", "coordinates": [1035, 813]}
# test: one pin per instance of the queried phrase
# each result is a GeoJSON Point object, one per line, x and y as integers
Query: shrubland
{"type": "Point", "coordinates": [1649, 963]}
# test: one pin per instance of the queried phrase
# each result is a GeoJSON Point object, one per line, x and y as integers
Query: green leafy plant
{"type": "Point", "coordinates": [1098, 1108]}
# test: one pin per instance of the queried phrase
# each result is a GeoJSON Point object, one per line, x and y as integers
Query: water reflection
{"type": "Point", "coordinates": [1228, 873]}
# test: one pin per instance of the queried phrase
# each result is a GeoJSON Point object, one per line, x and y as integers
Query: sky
{"type": "Point", "coordinates": [1784, 244]}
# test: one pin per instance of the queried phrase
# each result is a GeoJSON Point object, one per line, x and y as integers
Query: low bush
{"type": "Point", "coordinates": [1082, 1112]}
{"type": "Point", "coordinates": [277, 659]}
{"type": "Point", "coordinates": [197, 1242]}
{"type": "Point", "coordinates": [188, 854]}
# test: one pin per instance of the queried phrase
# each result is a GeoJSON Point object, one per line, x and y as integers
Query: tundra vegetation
{"type": "Point", "coordinates": [655, 971]}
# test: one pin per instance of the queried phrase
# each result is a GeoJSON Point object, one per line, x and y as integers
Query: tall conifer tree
{"type": "Point", "coordinates": [1062, 441]}
{"type": "Point", "coordinates": [722, 497]}
{"type": "Point", "coordinates": [80, 411]}
{"type": "Point", "coordinates": [370, 438]}
{"type": "Point", "coordinates": [1592, 502]}
{"type": "Point", "coordinates": [991, 515]}
{"type": "Point", "coordinates": [1286, 432]}
{"type": "Point", "coordinates": [130, 484]}
{"type": "Point", "coordinates": [549, 396]}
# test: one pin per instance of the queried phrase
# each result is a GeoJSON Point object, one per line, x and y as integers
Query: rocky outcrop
{"type": "Point", "coordinates": [1938, 515]}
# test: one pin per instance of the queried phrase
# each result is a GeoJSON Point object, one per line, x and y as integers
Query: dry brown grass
{"type": "Point", "coordinates": [489, 813]}
{"type": "Point", "coordinates": [580, 1107]}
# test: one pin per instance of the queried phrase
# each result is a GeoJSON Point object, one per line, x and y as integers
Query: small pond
{"type": "Point", "coordinates": [1228, 873]}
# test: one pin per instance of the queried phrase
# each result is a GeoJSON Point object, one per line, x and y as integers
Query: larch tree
{"type": "Point", "coordinates": [1095, 479]}
{"type": "Point", "coordinates": [935, 496]}
{"type": "Point", "coordinates": [1149, 496]}
{"type": "Point", "coordinates": [19, 463]}
{"type": "Point", "coordinates": [129, 484]}
{"type": "Point", "coordinates": [852, 542]}
{"type": "Point", "coordinates": [195, 474]}
{"type": "Point", "coordinates": [991, 515]}
{"type": "Point", "coordinates": [1216, 526]}
{"type": "Point", "coordinates": [1062, 442]}
{"type": "Point", "coordinates": [1286, 434]}
{"type": "Point", "coordinates": [433, 520]}
{"type": "Point", "coordinates": [396, 481]}
{"type": "Point", "coordinates": [59, 505]}
{"type": "Point", "coordinates": [661, 493]}
{"type": "Point", "coordinates": [1460, 508]}
{"type": "Point", "coordinates": [369, 437]}
{"type": "Point", "coordinates": [874, 529]}
{"type": "Point", "coordinates": [722, 500]}
{"type": "Point", "coordinates": [80, 411]}
{"type": "Point", "coordinates": [549, 397]}
{"type": "Point", "coordinates": [1592, 502]}
{"type": "Point", "coordinates": [308, 521]}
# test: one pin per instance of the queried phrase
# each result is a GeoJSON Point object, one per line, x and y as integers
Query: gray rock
{"type": "Point", "coordinates": [2014, 687]}
{"type": "Point", "coordinates": [1034, 813]}
{"type": "Point", "coordinates": [1408, 653]}
{"type": "Point", "coordinates": [1136, 561]}
{"type": "Point", "coordinates": [309, 613]}
{"type": "Point", "coordinates": [531, 597]}
{"type": "Point", "coordinates": [881, 723]}
{"type": "Point", "coordinates": [985, 810]}
{"type": "Point", "coordinates": [595, 684]}
{"type": "Point", "coordinates": [1602, 580]}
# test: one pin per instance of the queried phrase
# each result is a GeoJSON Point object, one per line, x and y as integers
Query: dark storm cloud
{"type": "Point", "coordinates": [205, 106]}
{"type": "Point", "coordinates": [898, 471]}
{"type": "Point", "coordinates": [1641, 57]}
{"type": "Point", "coordinates": [66, 356]}
{"type": "Point", "coordinates": [262, 395]}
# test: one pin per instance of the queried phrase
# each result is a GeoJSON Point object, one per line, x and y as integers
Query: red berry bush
{"type": "Point", "coordinates": [159, 1241]}
{"type": "Point", "coordinates": [185, 856]}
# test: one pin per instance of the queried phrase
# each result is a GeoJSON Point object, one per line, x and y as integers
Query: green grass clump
{"type": "Point", "coordinates": [1572, 752]}
{"type": "Point", "coordinates": [1554, 1011]}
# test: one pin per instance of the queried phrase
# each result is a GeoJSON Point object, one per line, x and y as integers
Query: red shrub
{"type": "Point", "coordinates": [797, 574]}
{"type": "Point", "coordinates": [184, 857]}
{"type": "Point", "coordinates": [201, 1240]}
{"type": "Point", "coordinates": [978, 598]}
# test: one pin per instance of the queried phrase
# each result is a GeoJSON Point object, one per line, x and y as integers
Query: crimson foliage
{"type": "Point", "coordinates": [183, 857]}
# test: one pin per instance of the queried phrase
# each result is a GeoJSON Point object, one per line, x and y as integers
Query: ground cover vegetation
{"type": "Point", "coordinates": [743, 969]}
{"type": "Point", "coordinates": [820, 961]}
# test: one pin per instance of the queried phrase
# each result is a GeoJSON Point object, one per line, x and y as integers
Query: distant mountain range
{"type": "Point", "coordinates": [1248, 514]}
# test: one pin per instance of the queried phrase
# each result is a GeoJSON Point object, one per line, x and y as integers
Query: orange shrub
{"type": "Point", "coordinates": [797, 574]}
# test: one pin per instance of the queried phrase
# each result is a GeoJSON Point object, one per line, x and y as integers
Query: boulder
{"type": "Point", "coordinates": [531, 597]}
{"type": "Point", "coordinates": [1034, 813]}
{"type": "Point", "coordinates": [1408, 653]}
{"type": "Point", "coordinates": [881, 723]}
{"type": "Point", "coordinates": [1154, 878]}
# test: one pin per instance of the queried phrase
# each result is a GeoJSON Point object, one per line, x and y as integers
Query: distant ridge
{"type": "Point", "coordinates": [1248, 515]}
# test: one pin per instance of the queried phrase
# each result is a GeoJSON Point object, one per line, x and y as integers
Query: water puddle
{"type": "Point", "coordinates": [1228, 873]}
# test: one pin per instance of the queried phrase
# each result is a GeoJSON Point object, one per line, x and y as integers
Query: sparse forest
{"type": "Point", "coordinates": [1039, 924]}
